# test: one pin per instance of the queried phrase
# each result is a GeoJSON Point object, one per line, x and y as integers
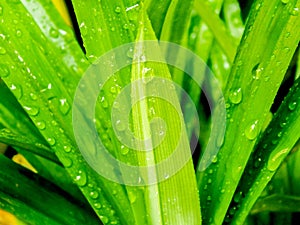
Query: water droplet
{"type": "Point", "coordinates": [64, 106]}
{"type": "Point", "coordinates": [67, 148]}
{"type": "Point", "coordinates": [257, 7]}
{"type": "Point", "coordinates": [130, 53]}
{"type": "Point", "coordinates": [256, 72]}
{"type": "Point", "coordinates": [126, 26]}
{"type": "Point", "coordinates": [113, 89]}
{"type": "Point", "coordinates": [33, 96]}
{"type": "Point", "coordinates": [4, 70]}
{"type": "Point", "coordinates": [83, 29]}
{"type": "Point", "coordinates": [103, 102]}
{"type": "Point", "coordinates": [94, 194]}
{"type": "Point", "coordinates": [2, 51]}
{"type": "Point", "coordinates": [120, 126]}
{"type": "Point", "coordinates": [132, 12]}
{"type": "Point", "coordinates": [97, 205]}
{"type": "Point", "coordinates": [124, 150]}
{"type": "Point", "coordinates": [41, 125]}
{"type": "Point", "coordinates": [210, 171]}
{"type": "Point", "coordinates": [17, 91]}
{"type": "Point", "coordinates": [104, 219]}
{"type": "Point", "coordinates": [209, 181]}
{"type": "Point", "coordinates": [118, 9]}
{"type": "Point", "coordinates": [237, 197]}
{"type": "Point", "coordinates": [1, 10]}
{"type": "Point", "coordinates": [131, 196]}
{"type": "Point", "coordinates": [19, 33]}
{"type": "Point", "coordinates": [252, 131]}
{"type": "Point", "coordinates": [209, 198]}
{"type": "Point", "coordinates": [292, 106]}
{"type": "Point", "coordinates": [287, 35]}
{"type": "Point", "coordinates": [276, 158]}
{"type": "Point", "coordinates": [112, 29]}
{"type": "Point", "coordinates": [236, 95]}
{"type": "Point", "coordinates": [66, 161]}
{"type": "Point", "coordinates": [214, 159]}
{"type": "Point", "coordinates": [51, 141]}
{"type": "Point", "coordinates": [282, 124]}
{"type": "Point", "coordinates": [53, 33]}
{"type": "Point", "coordinates": [295, 11]}
{"type": "Point", "coordinates": [285, 1]}
{"type": "Point", "coordinates": [32, 111]}
{"type": "Point", "coordinates": [81, 178]}
{"type": "Point", "coordinates": [286, 50]}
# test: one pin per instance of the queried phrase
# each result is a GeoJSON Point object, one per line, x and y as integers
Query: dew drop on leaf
{"type": "Point", "coordinates": [276, 158]}
{"type": "Point", "coordinates": [236, 96]}
{"type": "Point", "coordinates": [214, 159]}
{"type": "Point", "coordinates": [258, 6]}
{"type": "Point", "coordinates": [292, 106]}
{"type": "Point", "coordinates": [33, 96]}
{"type": "Point", "coordinates": [94, 194]}
{"type": "Point", "coordinates": [104, 219]}
{"type": "Point", "coordinates": [32, 111]}
{"type": "Point", "coordinates": [252, 131]}
{"type": "Point", "coordinates": [17, 91]}
{"type": "Point", "coordinates": [113, 89]}
{"type": "Point", "coordinates": [256, 72]}
{"type": "Point", "coordinates": [103, 102]}
{"type": "Point", "coordinates": [83, 29]}
{"type": "Point", "coordinates": [131, 196]}
{"type": "Point", "coordinates": [237, 197]}
{"type": "Point", "coordinates": [1, 10]}
{"type": "Point", "coordinates": [97, 205]}
{"type": "Point", "coordinates": [4, 70]}
{"type": "Point", "coordinates": [67, 148]}
{"type": "Point", "coordinates": [120, 126]}
{"type": "Point", "coordinates": [126, 26]}
{"type": "Point", "coordinates": [130, 53]}
{"type": "Point", "coordinates": [124, 150]}
{"type": "Point", "coordinates": [285, 1]}
{"type": "Point", "coordinates": [53, 33]}
{"type": "Point", "coordinates": [64, 106]}
{"type": "Point", "coordinates": [118, 9]}
{"type": "Point", "coordinates": [41, 125]}
{"type": "Point", "coordinates": [51, 141]}
{"type": "Point", "coordinates": [295, 11]}
{"type": "Point", "coordinates": [66, 161]}
{"type": "Point", "coordinates": [19, 33]}
{"type": "Point", "coordinates": [81, 178]}
{"type": "Point", "coordinates": [2, 51]}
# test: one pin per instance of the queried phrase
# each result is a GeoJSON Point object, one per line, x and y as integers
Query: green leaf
{"type": "Point", "coordinates": [277, 203]}
{"type": "Point", "coordinates": [54, 173]}
{"type": "Point", "coordinates": [217, 27]}
{"type": "Point", "coordinates": [43, 200]}
{"type": "Point", "coordinates": [173, 201]}
{"type": "Point", "coordinates": [43, 58]}
{"type": "Point", "coordinates": [19, 127]}
{"type": "Point", "coordinates": [276, 143]}
{"type": "Point", "coordinates": [252, 78]}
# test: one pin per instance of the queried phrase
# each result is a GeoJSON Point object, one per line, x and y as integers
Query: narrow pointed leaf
{"type": "Point", "coordinates": [173, 201]}
{"type": "Point", "coordinates": [252, 78]}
